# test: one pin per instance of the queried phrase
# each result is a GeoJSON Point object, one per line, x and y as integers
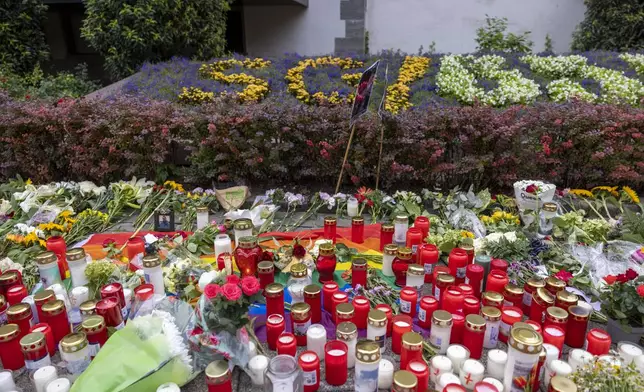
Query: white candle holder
{"type": "Point", "coordinates": [440, 364]}
{"type": "Point", "coordinates": [498, 384]}
{"type": "Point", "coordinates": [7, 383]}
{"type": "Point", "coordinates": [168, 387]}
{"type": "Point", "coordinates": [578, 358]}
{"type": "Point", "coordinates": [59, 385]}
{"type": "Point", "coordinates": [316, 339]}
{"type": "Point", "coordinates": [496, 360]}
{"type": "Point", "coordinates": [447, 378]}
{"type": "Point", "coordinates": [457, 353]}
{"type": "Point", "coordinates": [43, 376]}
{"type": "Point", "coordinates": [385, 374]}
{"type": "Point", "coordinates": [556, 368]}
{"type": "Point", "coordinates": [352, 207]}
{"type": "Point", "coordinates": [628, 351]}
{"type": "Point", "coordinates": [256, 367]}
{"type": "Point", "coordinates": [472, 371]}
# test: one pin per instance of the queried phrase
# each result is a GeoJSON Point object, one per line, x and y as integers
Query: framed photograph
{"type": "Point", "coordinates": [164, 220]}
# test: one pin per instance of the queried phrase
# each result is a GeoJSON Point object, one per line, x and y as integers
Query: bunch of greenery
{"type": "Point", "coordinates": [37, 85]}
{"type": "Point", "coordinates": [22, 41]}
{"type": "Point", "coordinates": [493, 37]}
{"type": "Point", "coordinates": [611, 25]}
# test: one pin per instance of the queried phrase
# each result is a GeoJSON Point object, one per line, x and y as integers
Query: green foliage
{"type": "Point", "coordinates": [622, 302]}
{"type": "Point", "coordinates": [632, 228]}
{"type": "Point", "coordinates": [610, 24]}
{"type": "Point", "coordinates": [48, 87]}
{"type": "Point", "coordinates": [129, 32]}
{"type": "Point", "coordinates": [22, 41]}
{"type": "Point", "coordinates": [493, 37]}
{"type": "Point", "coordinates": [506, 249]}
{"type": "Point", "coordinates": [548, 44]}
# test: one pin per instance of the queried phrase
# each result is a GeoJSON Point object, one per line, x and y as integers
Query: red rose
{"type": "Point", "coordinates": [183, 234]}
{"type": "Point", "coordinates": [250, 285]}
{"type": "Point", "coordinates": [369, 203]}
{"type": "Point", "coordinates": [232, 279]}
{"type": "Point", "coordinates": [108, 242]}
{"type": "Point", "coordinates": [532, 189]}
{"type": "Point", "coordinates": [266, 255]}
{"type": "Point", "coordinates": [563, 275]}
{"type": "Point", "coordinates": [622, 278]}
{"type": "Point", "coordinates": [299, 251]}
{"type": "Point", "coordinates": [610, 279]}
{"type": "Point", "coordinates": [631, 274]}
{"type": "Point", "coordinates": [211, 290]}
{"type": "Point", "coordinates": [640, 290]}
{"type": "Point", "coordinates": [232, 292]}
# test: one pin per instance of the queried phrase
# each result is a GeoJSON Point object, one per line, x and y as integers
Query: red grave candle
{"type": "Point", "coordinates": [41, 298]}
{"type": "Point", "coordinates": [577, 326]}
{"type": "Point", "coordinates": [554, 285]}
{"type": "Point", "coordinates": [597, 341]}
{"type": "Point", "coordinates": [457, 263]}
{"type": "Point", "coordinates": [412, 348]}
{"type": "Point", "coordinates": [266, 273]}
{"type": "Point", "coordinates": [428, 256]}
{"type": "Point", "coordinates": [512, 295]}
{"type": "Point", "coordinates": [361, 308]}
{"type": "Point", "coordinates": [34, 349]}
{"type": "Point", "coordinates": [474, 277]}
{"type": "Point", "coordinates": [8, 279]}
{"type": "Point", "coordinates": [541, 300]}
{"type": "Point", "coordinates": [328, 289]}
{"type": "Point", "coordinates": [401, 325]}
{"type": "Point", "coordinates": [428, 305]}
{"type": "Point", "coordinates": [414, 240]}
{"type": "Point", "coordinates": [471, 304]}
{"type": "Point", "coordinates": [286, 344]}
{"type": "Point", "coordinates": [300, 321]}
{"type": "Point", "coordinates": [554, 335]}
{"type": "Point", "coordinates": [55, 314]}
{"type": "Point", "coordinates": [20, 314]}
{"type": "Point", "coordinates": [474, 334]}
{"type": "Point", "coordinates": [458, 328]}
{"type": "Point", "coordinates": [422, 222]}
{"type": "Point", "coordinates": [408, 301]}
{"type": "Point", "coordinates": [386, 235]}
{"type": "Point", "coordinates": [111, 311]}
{"type": "Point", "coordinates": [357, 229]}
{"type": "Point", "coordinates": [466, 289]}
{"type": "Point", "coordinates": [96, 330]}
{"type": "Point", "coordinates": [16, 294]}
{"type": "Point", "coordinates": [115, 290]}
{"type": "Point", "coordinates": [275, 326]}
{"type": "Point", "coordinates": [45, 329]}
{"type": "Point", "coordinates": [565, 299]}
{"type": "Point", "coordinates": [389, 313]}
{"type": "Point", "coordinates": [401, 264]}
{"type": "Point", "coordinates": [535, 325]}
{"type": "Point", "coordinates": [469, 249]}
{"type": "Point", "coordinates": [344, 313]}
{"type": "Point", "coordinates": [421, 371]}
{"type": "Point", "coordinates": [135, 246]}
{"type": "Point", "coordinates": [529, 288]}
{"type": "Point", "coordinates": [310, 364]}
{"type": "Point", "coordinates": [452, 300]}
{"type": "Point", "coordinates": [339, 297]}
{"type": "Point", "coordinates": [274, 294]}
{"type": "Point", "coordinates": [496, 281]}
{"type": "Point", "coordinates": [335, 362]}
{"type": "Point", "coordinates": [247, 255]}
{"type": "Point", "coordinates": [499, 265]}
{"type": "Point", "coordinates": [144, 292]}
{"type": "Point", "coordinates": [326, 263]}
{"type": "Point", "coordinates": [359, 272]}
{"type": "Point", "coordinates": [492, 298]}
{"type": "Point", "coordinates": [556, 316]}
{"type": "Point", "coordinates": [330, 225]}
{"type": "Point", "coordinates": [218, 377]}
{"type": "Point", "coordinates": [439, 270]}
{"type": "Point", "coordinates": [10, 352]}
{"type": "Point", "coordinates": [442, 282]}
{"type": "Point", "coordinates": [57, 245]}
{"type": "Point", "coordinates": [313, 298]}
{"type": "Point", "coordinates": [509, 316]}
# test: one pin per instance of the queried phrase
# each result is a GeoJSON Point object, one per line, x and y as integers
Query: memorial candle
{"type": "Point", "coordinates": [16, 294]}
{"type": "Point", "coordinates": [257, 367]}
{"type": "Point", "coordinates": [446, 379]}
{"type": "Point", "coordinates": [42, 377]}
{"type": "Point", "coordinates": [471, 304]}
{"type": "Point", "coordinates": [218, 377]}
{"type": "Point", "coordinates": [408, 299]}
{"type": "Point", "coordinates": [385, 374]}
{"type": "Point", "coordinates": [386, 236]}
{"type": "Point", "coordinates": [495, 382]}
{"type": "Point", "coordinates": [402, 324]}
{"type": "Point", "coordinates": [328, 289]}
{"type": "Point", "coordinates": [359, 272]}
{"type": "Point", "coordinates": [565, 300]}
{"type": "Point", "coordinates": [338, 298]}
{"type": "Point", "coordinates": [457, 263]}
{"type": "Point", "coordinates": [41, 298]}
{"type": "Point", "coordinates": [300, 321]}
{"type": "Point", "coordinates": [496, 360]}
{"type": "Point", "coordinates": [10, 353]}
{"type": "Point", "coordinates": [428, 305]}
{"type": "Point", "coordinates": [524, 348]}
{"type": "Point", "coordinates": [401, 225]}
{"type": "Point", "coordinates": [534, 325]}
{"type": "Point", "coordinates": [499, 265]}
{"type": "Point", "coordinates": [492, 318]}
{"type": "Point", "coordinates": [286, 344]}
{"type": "Point", "coordinates": [412, 348]}
{"type": "Point", "coordinates": [344, 312]}
{"type": "Point", "coordinates": [578, 358]}
{"type": "Point", "coordinates": [556, 368]}
{"type": "Point", "coordinates": [562, 384]}
{"type": "Point", "coordinates": [361, 309]}
{"type": "Point", "coordinates": [96, 331]}
{"type": "Point", "coordinates": [428, 256]}
{"type": "Point", "coordinates": [577, 326]}
{"type": "Point", "coordinates": [510, 315]}
{"type": "Point", "coordinates": [452, 300]}
{"type": "Point", "coordinates": [316, 339]}
{"type": "Point", "coordinates": [465, 288]}
{"type": "Point", "coordinates": [457, 353]}
{"type": "Point", "coordinates": [439, 364]}
{"type": "Point", "coordinates": [484, 261]}
{"type": "Point", "coordinates": [443, 281]}
{"type": "Point", "coordinates": [330, 225]}
{"type": "Point", "coordinates": [556, 316]}
{"type": "Point", "coordinates": [45, 329]}
{"type": "Point", "coordinates": [598, 342]}
{"type": "Point", "coordinates": [421, 371]}
{"type": "Point", "coordinates": [554, 335]}
{"type": "Point", "coordinates": [266, 273]}
{"type": "Point", "coordinates": [529, 288]}
{"type": "Point", "coordinates": [275, 326]}
{"type": "Point", "coordinates": [458, 328]}
{"type": "Point", "coordinates": [474, 277]}
{"type": "Point", "coordinates": [415, 277]}
{"type": "Point", "coordinates": [554, 285]}
{"type": "Point", "coordinates": [310, 364]}
{"type": "Point", "coordinates": [56, 244]}
{"type": "Point", "coordinates": [512, 295]}
{"type": "Point", "coordinates": [441, 330]}
{"type": "Point", "coordinates": [326, 263]}
{"type": "Point", "coordinates": [422, 222]}
{"type": "Point", "coordinates": [357, 229]}
{"type": "Point", "coordinates": [335, 362]}
{"type": "Point", "coordinates": [274, 294]}
{"type": "Point", "coordinates": [474, 335]}
{"type": "Point", "coordinates": [348, 333]}
{"type": "Point", "coordinates": [471, 373]}
{"type": "Point", "coordinates": [313, 298]}
{"type": "Point", "coordinates": [377, 328]}
{"type": "Point", "coordinates": [389, 313]}
{"type": "Point", "coordinates": [59, 385]}
{"type": "Point", "coordinates": [469, 249]}
{"type": "Point", "coordinates": [20, 314]}
{"type": "Point", "coordinates": [367, 365]}
{"type": "Point", "coordinates": [404, 381]}
{"type": "Point", "coordinates": [110, 310]}
{"type": "Point", "coordinates": [541, 300]}
{"type": "Point", "coordinates": [496, 281]}
{"type": "Point", "coordinates": [400, 265]}
{"type": "Point", "coordinates": [388, 256]}
{"type": "Point", "coordinates": [413, 241]}
{"type": "Point", "coordinates": [492, 298]}
{"type": "Point", "coordinates": [628, 351]}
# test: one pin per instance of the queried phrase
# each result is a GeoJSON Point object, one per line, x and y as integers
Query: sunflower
{"type": "Point", "coordinates": [467, 234]}
{"type": "Point", "coordinates": [582, 193]}
{"type": "Point", "coordinates": [608, 189]}
{"type": "Point", "coordinates": [631, 194]}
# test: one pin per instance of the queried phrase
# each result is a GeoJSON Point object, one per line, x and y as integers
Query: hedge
{"type": "Point", "coordinates": [574, 145]}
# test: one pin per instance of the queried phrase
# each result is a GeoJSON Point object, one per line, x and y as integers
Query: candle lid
{"type": "Point", "coordinates": [357, 220]}
{"type": "Point", "coordinates": [562, 384]}
{"type": "Point", "coordinates": [391, 250]}
{"type": "Point", "coordinates": [346, 331]}
{"type": "Point", "coordinates": [93, 324]}
{"type": "Point", "coordinates": [445, 279]}
{"type": "Point", "coordinates": [474, 322]}
{"type": "Point", "coordinates": [151, 261]}
{"type": "Point", "coordinates": [387, 228]}
{"type": "Point", "coordinates": [298, 270]}
{"type": "Point", "coordinates": [217, 372]}
{"type": "Point", "coordinates": [311, 290]}
{"type": "Point", "coordinates": [549, 206]}
{"type": "Point", "coordinates": [344, 310]}
{"type": "Point", "coordinates": [9, 277]}
{"type": "Point", "coordinates": [53, 307]}
{"type": "Point", "coordinates": [415, 270]}
{"type": "Point", "coordinates": [243, 224]}
{"type": "Point", "coordinates": [377, 318]}
{"type": "Point", "coordinates": [412, 341]}
{"type": "Point", "coordinates": [492, 296]}
{"type": "Point", "coordinates": [442, 318]}
{"type": "Point", "coordinates": [265, 267]}
{"type": "Point", "coordinates": [554, 283]}
{"type": "Point", "coordinates": [522, 324]}
{"type": "Point", "coordinates": [491, 313]}
{"type": "Point", "coordinates": [404, 253]}
{"type": "Point", "coordinates": [326, 249]}
{"type": "Point", "coordinates": [88, 307]}
{"type": "Point", "coordinates": [330, 221]}
{"type": "Point", "coordinates": [247, 242]}
{"type": "Point", "coordinates": [19, 311]}
{"type": "Point", "coordinates": [73, 342]}
{"type": "Point", "coordinates": [273, 289]}
{"type": "Point", "coordinates": [513, 289]}
{"type": "Point", "coordinates": [368, 351]}
{"type": "Point", "coordinates": [9, 332]}
{"type": "Point", "coordinates": [401, 219]}
{"type": "Point", "coordinates": [557, 314]}
{"type": "Point", "coordinates": [202, 209]}
{"type": "Point", "coordinates": [75, 254]}
{"type": "Point", "coordinates": [44, 296]}
{"type": "Point", "coordinates": [405, 381]}
{"type": "Point", "coordinates": [567, 297]}
{"type": "Point", "coordinates": [543, 297]}
{"type": "Point", "coordinates": [359, 264]}
{"type": "Point", "coordinates": [46, 258]}
{"type": "Point", "coordinates": [300, 310]}
{"type": "Point", "coordinates": [536, 283]}
{"type": "Point", "coordinates": [33, 341]}
{"type": "Point", "coordinates": [525, 340]}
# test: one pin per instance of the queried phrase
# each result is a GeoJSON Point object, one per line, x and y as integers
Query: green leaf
{"type": "Point", "coordinates": [192, 247]}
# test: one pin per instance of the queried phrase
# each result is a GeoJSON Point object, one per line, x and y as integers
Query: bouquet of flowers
{"type": "Point", "coordinates": [623, 298]}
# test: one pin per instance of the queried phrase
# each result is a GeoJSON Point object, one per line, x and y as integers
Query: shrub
{"type": "Point", "coordinates": [611, 25]}
{"type": "Point", "coordinates": [128, 33]}
{"type": "Point", "coordinates": [494, 38]}
{"type": "Point", "coordinates": [22, 41]}
{"type": "Point", "coordinates": [37, 85]}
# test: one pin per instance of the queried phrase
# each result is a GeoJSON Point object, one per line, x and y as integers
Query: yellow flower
{"type": "Point", "coordinates": [28, 182]}
{"type": "Point", "coordinates": [582, 193]}
{"type": "Point", "coordinates": [295, 79]}
{"type": "Point", "coordinates": [412, 69]}
{"type": "Point", "coordinates": [51, 227]}
{"type": "Point", "coordinates": [609, 189]}
{"type": "Point", "coordinates": [174, 186]}
{"type": "Point", "coordinates": [467, 234]}
{"type": "Point", "coordinates": [631, 194]}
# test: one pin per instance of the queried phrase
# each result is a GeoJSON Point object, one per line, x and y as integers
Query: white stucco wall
{"type": "Point", "coordinates": [452, 24]}
{"type": "Point", "coordinates": [274, 30]}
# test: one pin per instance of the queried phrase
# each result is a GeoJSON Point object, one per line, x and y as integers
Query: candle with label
{"type": "Point", "coordinates": [441, 330]}
{"type": "Point", "coordinates": [96, 330]}
{"type": "Point", "coordinates": [541, 300]}
{"type": "Point", "coordinates": [310, 364]}
{"type": "Point", "coordinates": [474, 335]}
{"type": "Point", "coordinates": [344, 312]}
{"type": "Point", "coordinates": [577, 326]}
{"type": "Point", "coordinates": [388, 256]}
{"type": "Point", "coordinates": [402, 324]}
{"type": "Point", "coordinates": [316, 339]}
{"type": "Point", "coordinates": [408, 299]}
{"type": "Point", "coordinates": [401, 225]}
{"type": "Point", "coordinates": [524, 347]}
{"type": "Point", "coordinates": [529, 288]}
{"type": "Point", "coordinates": [367, 366]}
{"type": "Point", "coordinates": [428, 256]}
{"type": "Point", "coordinates": [377, 328]}
{"type": "Point", "coordinates": [510, 316]}
{"type": "Point", "coordinates": [75, 351]}
{"type": "Point", "coordinates": [443, 281]}
{"type": "Point", "coordinates": [361, 311]}
{"type": "Point", "coordinates": [400, 265]}
{"type": "Point", "coordinates": [386, 235]}
{"type": "Point", "coordinates": [474, 274]}
{"type": "Point", "coordinates": [415, 277]}
{"type": "Point", "coordinates": [492, 318]}
{"type": "Point", "coordinates": [457, 263]}
{"type": "Point", "coordinates": [472, 372]}
{"type": "Point", "coordinates": [34, 349]}
{"type": "Point", "coordinates": [348, 333]}
{"type": "Point", "coordinates": [300, 321]}
{"type": "Point", "coordinates": [335, 362]}
{"type": "Point", "coordinates": [359, 272]}
{"type": "Point", "coordinates": [275, 326]}
{"type": "Point", "coordinates": [428, 305]}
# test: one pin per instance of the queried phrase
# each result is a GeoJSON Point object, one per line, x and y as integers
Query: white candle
{"type": "Point", "coordinates": [257, 365]}
{"type": "Point", "coordinates": [447, 378]}
{"type": "Point", "coordinates": [472, 372]}
{"type": "Point", "coordinates": [387, 261]}
{"type": "Point", "coordinates": [337, 352]}
{"type": "Point", "coordinates": [498, 384]}
{"type": "Point", "coordinates": [611, 360]}
{"type": "Point", "coordinates": [385, 374]}
{"type": "Point", "coordinates": [7, 384]}
{"type": "Point", "coordinates": [628, 351]}
{"type": "Point", "coordinates": [457, 354]}
{"type": "Point", "coordinates": [496, 360]}
{"type": "Point", "coordinates": [439, 364]}
{"type": "Point", "coordinates": [401, 224]}
{"type": "Point", "coordinates": [34, 311]}
{"type": "Point", "coordinates": [202, 217]}
{"type": "Point", "coordinates": [223, 245]}
{"type": "Point", "coordinates": [59, 385]}
{"type": "Point", "coordinates": [352, 207]}
{"type": "Point", "coordinates": [78, 295]}
{"type": "Point", "coordinates": [639, 363]}
{"type": "Point", "coordinates": [44, 376]}
{"type": "Point", "coordinates": [316, 339]}
{"type": "Point", "coordinates": [168, 387]}
{"type": "Point", "coordinates": [552, 353]}
{"type": "Point", "coordinates": [578, 358]}
{"type": "Point", "coordinates": [556, 368]}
